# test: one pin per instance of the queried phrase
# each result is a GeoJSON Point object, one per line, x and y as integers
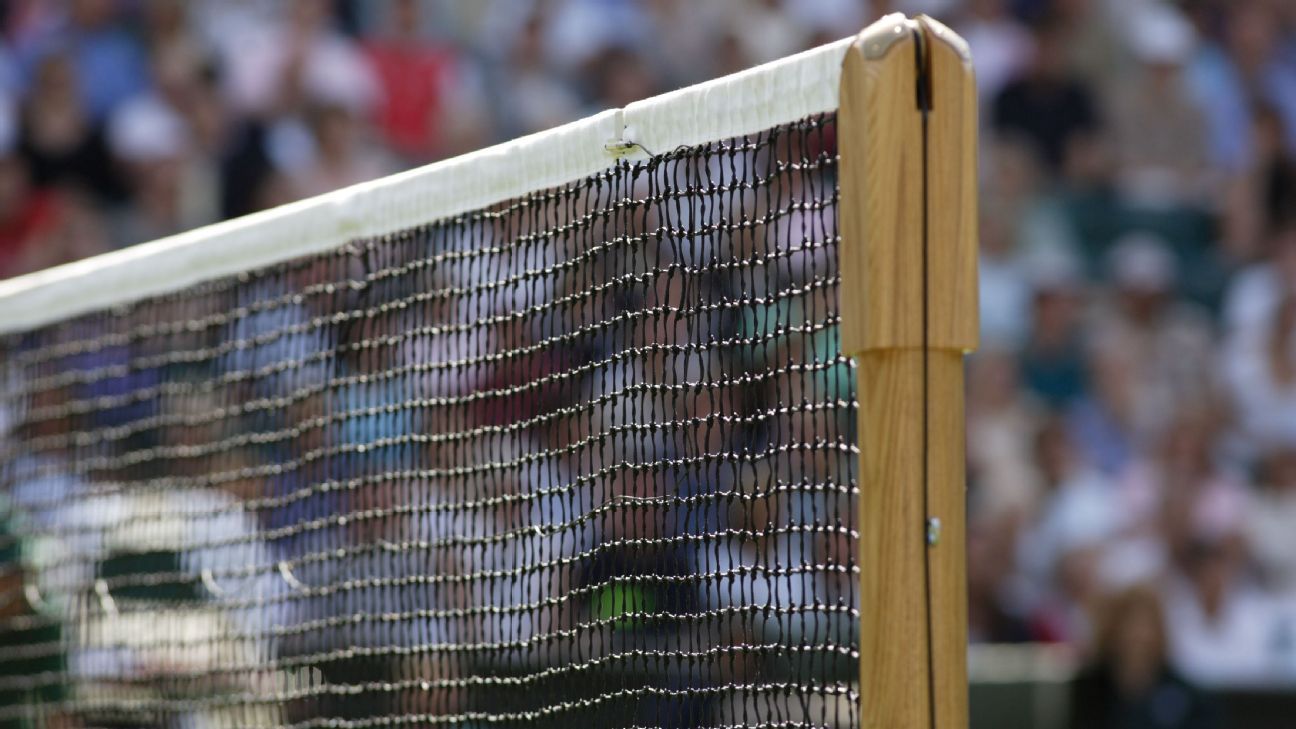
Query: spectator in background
{"type": "Point", "coordinates": [538, 98]}
{"type": "Point", "coordinates": [991, 614]}
{"type": "Point", "coordinates": [1261, 367]}
{"type": "Point", "coordinates": [1219, 624]}
{"type": "Point", "coordinates": [427, 107]}
{"type": "Point", "coordinates": [1001, 48]}
{"type": "Point", "coordinates": [686, 46]}
{"type": "Point", "coordinates": [151, 143]}
{"type": "Point", "coordinates": [26, 215]}
{"type": "Point", "coordinates": [1048, 105]}
{"type": "Point", "coordinates": [274, 65]}
{"type": "Point", "coordinates": [1170, 167]}
{"type": "Point", "coordinates": [620, 76]}
{"type": "Point", "coordinates": [107, 62]}
{"type": "Point", "coordinates": [173, 186]}
{"type": "Point", "coordinates": [1263, 195]}
{"type": "Point", "coordinates": [1229, 71]}
{"type": "Point", "coordinates": [1052, 359]}
{"type": "Point", "coordinates": [999, 449]}
{"type": "Point", "coordinates": [1149, 352]}
{"type": "Point", "coordinates": [340, 157]}
{"type": "Point", "coordinates": [1202, 495]}
{"type": "Point", "coordinates": [1104, 421]}
{"type": "Point", "coordinates": [1275, 166]}
{"type": "Point", "coordinates": [1130, 682]}
{"type": "Point", "coordinates": [78, 230]}
{"type": "Point", "coordinates": [1255, 293]}
{"type": "Point", "coordinates": [769, 31]}
{"type": "Point", "coordinates": [1271, 521]}
{"type": "Point", "coordinates": [59, 140]}
{"type": "Point", "coordinates": [1061, 550]}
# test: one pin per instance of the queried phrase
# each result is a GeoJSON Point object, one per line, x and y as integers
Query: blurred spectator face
{"type": "Point", "coordinates": [175, 74]}
{"type": "Point", "coordinates": [309, 16]}
{"type": "Point", "coordinates": [1053, 452]}
{"type": "Point", "coordinates": [1142, 304]}
{"type": "Point", "coordinates": [150, 142]}
{"type": "Point", "coordinates": [1188, 446]}
{"type": "Point", "coordinates": [1056, 313]}
{"type": "Point", "coordinates": [1140, 633]}
{"type": "Point", "coordinates": [1283, 245]}
{"type": "Point", "coordinates": [56, 77]}
{"type": "Point", "coordinates": [731, 57]}
{"type": "Point", "coordinates": [1143, 269]}
{"type": "Point", "coordinates": [14, 186]}
{"type": "Point", "coordinates": [1016, 173]}
{"type": "Point", "coordinates": [206, 115]}
{"type": "Point", "coordinates": [528, 49]}
{"type": "Point", "coordinates": [1072, 10]}
{"type": "Point", "coordinates": [93, 13]}
{"type": "Point", "coordinates": [405, 16]}
{"type": "Point", "coordinates": [1087, 159]}
{"type": "Point", "coordinates": [1280, 470]}
{"type": "Point", "coordinates": [165, 16]}
{"type": "Point", "coordinates": [1131, 636]}
{"type": "Point", "coordinates": [1077, 573]}
{"type": "Point", "coordinates": [1113, 382]}
{"type": "Point", "coordinates": [622, 76]}
{"type": "Point", "coordinates": [994, 377]}
{"type": "Point", "coordinates": [1267, 133]}
{"type": "Point", "coordinates": [987, 9]}
{"type": "Point", "coordinates": [80, 233]}
{"type": "Point", "coordinates": [1252, 35]}
{"type": "Point", "coordinates": [1212, 568]}
{"type": "Point", "coordinates": [335, 131]}
{"type": "Point", "coordinates": [1051, 57]}
{"type": "Point", "coordinates": [54, 117]}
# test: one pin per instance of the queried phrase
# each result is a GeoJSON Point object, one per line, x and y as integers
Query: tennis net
{"type": "Point", "coordinates": [457, 448]}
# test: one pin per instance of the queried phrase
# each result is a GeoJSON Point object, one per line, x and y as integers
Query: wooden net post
{"type": "Point", "coordinates": [907, 130]}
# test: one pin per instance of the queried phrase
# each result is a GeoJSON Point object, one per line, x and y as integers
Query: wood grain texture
{"type": "Point", "coordinates": [952, 321]}
{"type": "Point", "coordinates": [880, 219]}
{"type": "Point", "coordinates": [880, 185]}
{"type": "Point", "coordinates": [907, 216]}
{"type": "Point", "coordinates": [947, 560]}
{"type": "Point", "coordinates": [895, 686]}
{"type": "Point", "coordinates": [952, 328]}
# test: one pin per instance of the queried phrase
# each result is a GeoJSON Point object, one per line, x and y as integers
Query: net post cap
{"type": "Point", "coordinates": [952, 192]}
{"type": "Point", "coordinates": [880, 174]}
{"type": "Point", "coordinates": [939, 32]}
{"type": "Point", "coordinates": [908, 216]}
{"type": "Point", "coordinates": [877, 40]}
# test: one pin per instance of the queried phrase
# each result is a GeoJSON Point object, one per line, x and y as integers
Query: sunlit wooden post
{"type": "Point", "coordinates": [907, 124]}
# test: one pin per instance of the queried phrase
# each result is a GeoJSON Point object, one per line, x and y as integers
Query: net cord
{"type": "Point", "coordinates": [743, 103]}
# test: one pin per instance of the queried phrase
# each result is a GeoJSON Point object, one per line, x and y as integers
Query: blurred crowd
{"type": "Point", "coordinates": [1132, 413]}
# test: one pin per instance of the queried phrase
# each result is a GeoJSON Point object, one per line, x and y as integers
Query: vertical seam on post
{"type": "Point", "coordinates": [923, 100]}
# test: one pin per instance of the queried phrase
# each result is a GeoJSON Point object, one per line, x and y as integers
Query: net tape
{"type": "Point", "coordinates": [586, 456]}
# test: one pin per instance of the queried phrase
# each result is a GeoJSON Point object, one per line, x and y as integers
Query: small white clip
{"type": "Point", "coordinates": [34, 598]}
{"type": "Point", "coordinates": [105, 598]}
{"type": "Point", "coordinates": [209, 582]}
{"type": "Point", "coordinates": [286, 573]}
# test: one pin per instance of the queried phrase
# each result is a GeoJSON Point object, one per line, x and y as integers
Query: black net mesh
{"type": "Point", "coordinates": [584, 458]}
